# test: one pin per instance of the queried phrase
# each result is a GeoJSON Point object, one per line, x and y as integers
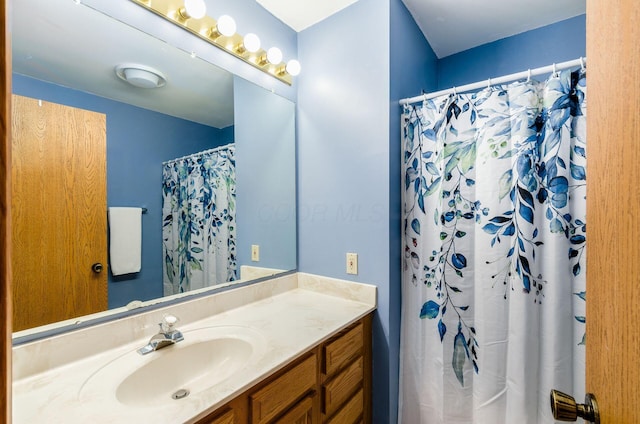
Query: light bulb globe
{"type": "Point", "coordinates": [293, 67]}
{"type": "Point", "coordinates": [274, 55]}
{"type": "Point", "coordinates": [196, 9]}
{"type": "Point", "coordinates": [251, 42]}
{"type": "Point", "coordinates": [226, 25]}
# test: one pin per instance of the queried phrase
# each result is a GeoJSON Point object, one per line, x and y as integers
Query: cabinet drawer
{"type": "Point", "coordinates": [282, 392]}
{"type": "Point", "coordinates": [340, 388]}
{"type": "Point", "coordinates": [338, 352]}
{"type": "Point", "coordinates": [226, 418]}
{"type": "Point", "coordinates": [302, 413]}
{"type": "Point", "coordinates": [351, 411]}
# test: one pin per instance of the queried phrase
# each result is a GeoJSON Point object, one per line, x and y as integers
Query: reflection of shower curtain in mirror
{"type": "Point", "coordinates": [494, 258]}
{"type": "Point", "coordinates": [199, 220]}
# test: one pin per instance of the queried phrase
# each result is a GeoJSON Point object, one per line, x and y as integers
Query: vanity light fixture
{"type": "Point", "coordinates": [193, 9]}
{"type": "Point", "coordinates": [274, 55]}
{"type": "Point", "coordinates": [250, 43]}
{"type": "Point", "coordinates": [225, 26]}
{"type": "Point", "coordinates": [293, 67]}
{"type": "Point", "coordinates": [191, 16]}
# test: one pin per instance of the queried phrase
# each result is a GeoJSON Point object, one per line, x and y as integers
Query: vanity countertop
{"type": "Point", "coordinates": [291, 314]}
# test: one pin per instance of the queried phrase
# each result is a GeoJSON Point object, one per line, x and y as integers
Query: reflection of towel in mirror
{"type": "Point", "coordinates": [125, 229]}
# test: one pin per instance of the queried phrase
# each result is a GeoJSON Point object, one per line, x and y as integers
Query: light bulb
{"type": "Point", "coordinates": [251, 42]}
{"type": "Point", "coordinates": [274, 55]}
{"type": "Point", "coordinates": [226, 25]}
{"type": "Point", "coordinates": [293, 67]}
{"type": "Point", "coordinates": [195, 9]}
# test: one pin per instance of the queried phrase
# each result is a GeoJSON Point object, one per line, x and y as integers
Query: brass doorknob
{"type": "Point", "coordinates": [565, 408]}
{"type": "Point", "coordinates": [97, 267]}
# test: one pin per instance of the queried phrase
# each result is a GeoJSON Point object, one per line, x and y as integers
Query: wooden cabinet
{"type": "Point", "coordinates": [346, 375]}
{"type": "Point", "coordinates": [331, 383]}
{"type": "Point", "coordinates": [301, 413]}
{"type": "Point", "coordinates": [227, 417]}
{"type": "Point", "coordinates": [282, 392]}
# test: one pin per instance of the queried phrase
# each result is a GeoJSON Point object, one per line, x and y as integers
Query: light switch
{"type": "Point", "coordinates": [352, 263]}
{"type": "Point", "coordinates": [255, 253]}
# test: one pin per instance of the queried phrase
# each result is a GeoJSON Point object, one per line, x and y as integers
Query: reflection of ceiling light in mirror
{"type": "Point", "coordinates": [195, 9]}
{"type": "Point", "coordinates": [251, 42]}
{"type": "Point", "coordinates": [274, 55]}
{"type": "Point", "coordinates": [226, 25]}
{"type": "Point", "coordinates": [293, 67]}
{"type": "Point", "coordinates": [141, 76]}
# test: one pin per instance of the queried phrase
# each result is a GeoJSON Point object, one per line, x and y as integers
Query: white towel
{"type": "Point", "coordinates": [125, 227]}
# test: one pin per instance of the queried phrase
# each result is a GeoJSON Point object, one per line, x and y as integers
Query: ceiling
{"type": "Point", "coordinates": [301, 14]}
{"type": "Point", "coordinates": [454, 26]}
{"type": "Point", "coordinates": [450, 26]}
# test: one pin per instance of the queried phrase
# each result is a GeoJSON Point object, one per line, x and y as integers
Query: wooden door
{"type": "Point", "coordinates": [5, 218]}
{"type": "Point", "coordinates": [613, 208]}
{"type": "Point", "coordinates": [59, 212]}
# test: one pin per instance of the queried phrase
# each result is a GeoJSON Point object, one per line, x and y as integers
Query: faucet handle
{"type": "Point", "coordinates": [168, 322]}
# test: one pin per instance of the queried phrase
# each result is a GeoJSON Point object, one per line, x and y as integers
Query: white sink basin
{"type": "Point", "coordinates": [206, 357]}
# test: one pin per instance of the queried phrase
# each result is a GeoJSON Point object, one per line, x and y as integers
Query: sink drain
{"type": "Point", "coordinates": [180, 394]}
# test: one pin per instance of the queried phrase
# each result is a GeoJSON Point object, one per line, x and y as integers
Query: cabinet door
{"type": "Point", "coordinates": [301, 413]}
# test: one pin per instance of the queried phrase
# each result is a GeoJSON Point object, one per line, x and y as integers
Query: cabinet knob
{"type": "Point", "coordinates": [565, 408]}
{"type": "Point", "coordinates": [97, 267]}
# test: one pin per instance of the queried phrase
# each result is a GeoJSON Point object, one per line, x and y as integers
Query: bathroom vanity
{"type": "Point", "coordinates": [292, 349]}
{"type": "Point", "coordinates": [331, 383]}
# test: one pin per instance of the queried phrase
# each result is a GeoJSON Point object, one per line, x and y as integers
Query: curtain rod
{"type": "Point", "coordinates": [500, 80]}
{"type": "Point", "coordinates": [215, 149]}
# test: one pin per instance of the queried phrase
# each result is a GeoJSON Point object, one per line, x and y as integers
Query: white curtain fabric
{"type": "Point", "coordinates": [493, 296]}
{"type": "Point", "coordinates": [199, 220]}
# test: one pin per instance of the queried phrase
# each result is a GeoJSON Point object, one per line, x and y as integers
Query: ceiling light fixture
{"type": "Point", "coordinates": [191, 16]}
{"type": "Point", "coordinates": [140, 75]}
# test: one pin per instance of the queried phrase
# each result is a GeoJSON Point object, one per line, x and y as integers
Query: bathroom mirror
{"type": "Point", "coordinates": [200, 107]}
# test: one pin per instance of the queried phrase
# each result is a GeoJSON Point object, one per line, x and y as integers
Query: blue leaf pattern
{"type": "Point", "coordinates": [198, 220]}
{"type": "Point", "coordinates": [537, 153]}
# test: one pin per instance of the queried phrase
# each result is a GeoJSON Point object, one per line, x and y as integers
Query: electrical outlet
{"type": "Point", "coordinates": [352, 263]}
{"type": "Point", "coordinates": [255, 253]}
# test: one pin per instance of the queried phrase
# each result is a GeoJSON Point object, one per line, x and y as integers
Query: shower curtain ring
{"type": "Point", "coordinates": [582, 67]}
{"type": "Point", "coordinates": [489, 83]}
{"type": "Point", "coordinates": [455, 91]}
{"type": "Point", "coordinates": [555, 71]}
{"type": "Point", "coordinates": [529, 75]}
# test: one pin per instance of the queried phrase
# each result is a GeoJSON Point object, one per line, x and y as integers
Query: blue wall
{"type": "Point", "coordinates": [544, 46]}
{"type": "Point", "coordinates": [413, 67]}
{"type": "Point", "coordinates": [266, 176]}
{"type": "Point", "coordinates": [138, 141]}
{"type": "Point", "coordinates": [343, 160]}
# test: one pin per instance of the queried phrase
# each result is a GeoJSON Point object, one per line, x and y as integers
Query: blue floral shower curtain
{"type": "Point", "coordinates": [494, 253]}
{"type": "Point", "coordinates": [199, 220]}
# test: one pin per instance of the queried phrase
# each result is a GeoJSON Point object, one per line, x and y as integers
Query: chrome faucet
{"type": "Point", "coordinates": [167, 336]}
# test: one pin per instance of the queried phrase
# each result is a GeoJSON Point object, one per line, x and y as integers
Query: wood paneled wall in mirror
{"type": "Point", "coordinates": [210, 184]}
